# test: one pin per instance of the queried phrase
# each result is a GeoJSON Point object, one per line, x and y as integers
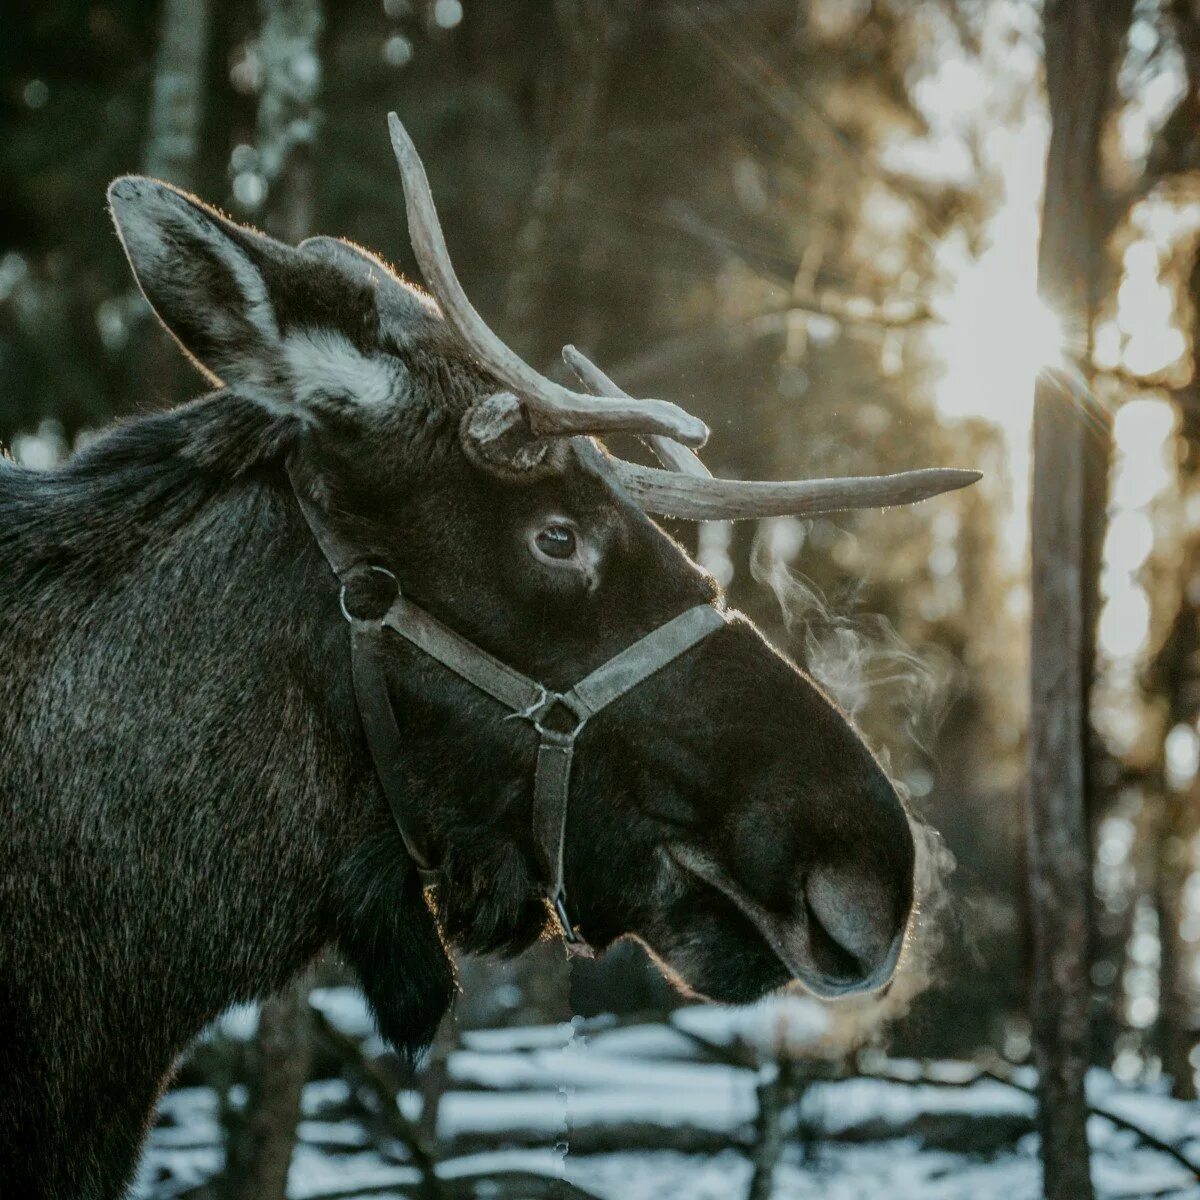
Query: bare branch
{"type": "Point", "coordinates": [1000, 1072]}
{"type": "Point", "coordinates": [525, 1185]}
{"type": "Point", "coordinates": [373, 1079]}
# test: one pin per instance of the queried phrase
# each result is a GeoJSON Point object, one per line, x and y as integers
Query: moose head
{"type": "Point", "coordinates": [723, 811]}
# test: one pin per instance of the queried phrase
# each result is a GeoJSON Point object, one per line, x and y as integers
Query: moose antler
{"type": "Point", "coordinates": [669, 452]}
{"type": "Point", "coordinates": [552, 410]}
{"type": "Point", "coordinates": [688, 490]}
{"type": "Point", "coordinates": [669, 494]}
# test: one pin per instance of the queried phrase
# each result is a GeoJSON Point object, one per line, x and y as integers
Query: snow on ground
{"type": "Point", "coordinates": [788, 1020]}
{"type": "Point", "coordinates": [544, 1068]}
{"type": "Point", "coordinates": [900, 1169]}
{"type": "Point", "coordinates": [516, 1095]}
{"type": "Point", "coordinates": [897, 1170]}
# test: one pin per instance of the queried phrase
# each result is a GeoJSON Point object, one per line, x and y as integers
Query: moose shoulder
{"type": "Point", "coordinates": [190, 804]}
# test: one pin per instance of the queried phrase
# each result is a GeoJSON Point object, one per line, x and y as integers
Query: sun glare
{"type": "Point", "coordinates": [995, 334]}
{"type": "Point", "coordinates": [1043, 338]}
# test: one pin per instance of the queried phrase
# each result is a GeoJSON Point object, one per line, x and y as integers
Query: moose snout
{"type": "Point", "coordinates": [856, 924]}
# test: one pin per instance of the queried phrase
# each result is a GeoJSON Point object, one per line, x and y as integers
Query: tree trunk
{"type": "Point", "coordinates": [591, 30]}
{"type": "Point", "coordinates": [260, 1152]}
{"type": "Point", "coordinates": [177, 104]}
{"type": "Point", "coordinates": [1177, 1014]}
{"type": "Point", "coordinates": [1175, 678]}
{"type": "Point", "coordinates": [287, 119]}
{"type": "Point", "coordinates": [775, 1092]}
{"type": "Point", "coordinates": [1082, 42]}
{"type": "Point", "coordinates": [1172, 833]}
{"type": "Point", "coordinates": [287, 112]}
{"type": "Point", "coordinates": [171, 152]}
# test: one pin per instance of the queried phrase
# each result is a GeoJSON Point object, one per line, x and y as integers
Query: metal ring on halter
{"type": "Point", "coordinates": [378, 571]}
{"type": "Point", "coordinates": [564, 735]}
{"type": "Point", "coordinates": [543, 705]}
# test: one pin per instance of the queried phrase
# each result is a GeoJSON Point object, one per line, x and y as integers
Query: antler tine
{"type": "Point", "coordinates": [552, 409]}
{"type": "Point", "coordinates": [668, 451]}
{"type": "Point", "coordinates": [688, 489]}
{"type": "Point", "coordinates": [669, 494]}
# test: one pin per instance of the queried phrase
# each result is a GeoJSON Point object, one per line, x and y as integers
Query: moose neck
{"type": "Point", "coordinates": [176, 708]}
{"type": "Point", "coordinates": [135, 561]}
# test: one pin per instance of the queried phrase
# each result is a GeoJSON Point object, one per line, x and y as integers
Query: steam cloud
{"type": "Point", "coordinates": [860, 660]}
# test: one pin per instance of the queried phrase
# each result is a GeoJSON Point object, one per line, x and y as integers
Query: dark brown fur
{"type": "Point", "coordinates": [188, 813]}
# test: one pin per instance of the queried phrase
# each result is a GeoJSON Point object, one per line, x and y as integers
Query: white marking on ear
{"type": "Point", "coordinates": [324, 363]}
{"type": "Point", "coordinates": [259, 311]}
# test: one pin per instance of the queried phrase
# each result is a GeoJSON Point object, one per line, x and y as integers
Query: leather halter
{"type": "Point", "coordinates": [557, 717]}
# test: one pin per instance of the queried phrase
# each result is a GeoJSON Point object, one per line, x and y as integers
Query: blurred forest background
{"type": "Point", "coordinates": [814, 223]}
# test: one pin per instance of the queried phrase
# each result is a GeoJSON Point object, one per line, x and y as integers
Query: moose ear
{"type": "Point", "coordinates": [204, 277]}
{"type": "Point", "coordinates": [402, 307]}
{"type": "Point", "coordinates": [348, 257]}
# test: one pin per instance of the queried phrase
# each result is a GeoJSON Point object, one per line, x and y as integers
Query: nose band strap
{"type": "Point", "coordinates": [557, 717]}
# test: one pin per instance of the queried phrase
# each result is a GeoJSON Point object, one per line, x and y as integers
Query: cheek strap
{"type": "Point", "coordinates": [557, 717]}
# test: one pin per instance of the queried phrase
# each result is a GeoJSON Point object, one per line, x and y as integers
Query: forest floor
{"type": "Point", "coordinates": [673, 1112]}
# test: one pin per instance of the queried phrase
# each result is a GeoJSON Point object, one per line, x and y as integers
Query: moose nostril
{"type": "Point", "coordinates": [851, 911]}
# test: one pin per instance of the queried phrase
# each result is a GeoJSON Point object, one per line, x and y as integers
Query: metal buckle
{"type": "Point", "coordinates": [560, 910]}
{"type": "Point", "coordinates": [577, 944]}
{"type": "Point", "coordinates": [370, 567]}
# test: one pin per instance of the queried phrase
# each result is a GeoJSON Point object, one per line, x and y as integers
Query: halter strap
{"type": "Point", "coordinates": [557, 717]}
{"type": "Point", "coordinates": [464, 658]}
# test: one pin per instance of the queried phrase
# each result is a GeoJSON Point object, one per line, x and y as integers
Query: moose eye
{"type": "Point", "coordinates": [555, 541]}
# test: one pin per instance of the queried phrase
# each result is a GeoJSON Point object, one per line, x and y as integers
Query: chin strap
{"type": "Point", "coordinates": [557, 717]}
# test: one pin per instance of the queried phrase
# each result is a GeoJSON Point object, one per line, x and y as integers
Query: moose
{"type": "Point", "coordinates": [541, 716]}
